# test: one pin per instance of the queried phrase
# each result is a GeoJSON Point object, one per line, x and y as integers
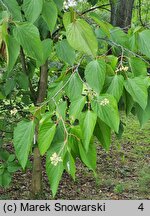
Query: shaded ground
{"type": "Point", "coordinates": [123, 173]}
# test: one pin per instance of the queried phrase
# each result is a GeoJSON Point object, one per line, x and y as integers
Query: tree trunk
{"type": "Point", "coordinates": [121, 13]}
{"type": "Point", "coordinates": [37, 167]}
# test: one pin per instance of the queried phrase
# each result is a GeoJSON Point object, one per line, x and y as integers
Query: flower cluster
{"type": "Point", "coordinates": [104, 102]}
{"type": "Point", "coordinates": [14, 111]}
{"type": "Point", "coordinates": [55, 159]}
{"type": "Point", "coordinates": [72, 3]}
{"type": "Point", "coordinates": [122, 68]}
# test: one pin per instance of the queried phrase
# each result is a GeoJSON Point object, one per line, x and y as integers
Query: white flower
{"type": "Point", "coordinates": [104, 102]}
{"type": "Point", "coordinates": [14, 111]}
{"type": "Point", "coordinates": [122, 68]}
{"type": "Point", "coordinates": [55, 159]}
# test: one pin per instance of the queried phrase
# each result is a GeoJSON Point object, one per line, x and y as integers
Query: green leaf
{"type": "Point", "coordinates": [133, 43]}
{"type": "Point", "coordinates": [47, 49]}
{"type": "Point", "coordinates": [67, 19]}
{"type": "Point", "coordinates": [119, 37]}
{"type": "Point", "coordinates": [2, 168]}
{"type": "Point", "coordinates": [61, 109]}
{"type": "Point", "coordinates": [59, 4]}
{"type": "Point", "coordinates": [50, 14]}
{"type": "Point", "coordinates": [60, 134]}
{"type": "Point", "coordinates": [137, 88]}
{"type": "Point", "coordinates": [4, 30]}
{"type": "Point", "coordinates": [89, 158]}
{"type": "Point", "coordinates": [144, 42]}
{"type": "Point", "coordinates": [28, 37]}
{"type": "Point", "coordinates": [74, 140]}
{"type": "Point", "coordinates": [103, 25]}
{"type": "Point", "coordinates": [93, 2]}
{"type": "Point", "coordinates": [2, 95]}
{"type": "Point", "coordinates": [46, 118]}
{"type": "Point", "coordinates": [74, 87]}
{"type": "Point", "coordinates": [45, 137]}
{"type": "Point", "coordinates": [13, 167]}
{"type": "Point", "coordinates": [14, 9]}
{"type": "Point", "coordinates": [65, 52]}
{"type": "Point", "coordinates": [95, 74]}
{"type": "Point", "coordinates": [23, 81]}
{"type": "Point", "coordinates": [32, 9]}
{"type": "Point", "coordinates": [121, 130]}
{"type": "Point", "coordinates": [103, 133]}
{"type": "Point", "coordinates": [109, 70]}
{"type": "Point", "coordinates": [4, 155]}
{"type": "Point", "coordinates": [112, 61]}
{"type": "Point", "coordinates": [42, 27]}
{"type": "Point", "coordinates": [116, 87]}
{"type": "Point", "coordinates": [143, 115]}
{"type": "Point", "coordinates": [55, 172]}
{"type": "Point", "coordinates": [87, 123]}
{"type": "Point", "coordinates": [128, 101]}
{"type": "Point", "coordinates": [9, 86]}
{"type": "Point", "coordinates": [54, 88]}
{"type": "Point", "coordinates": [13, 49]}
{"type": "Point", "coordinates": [138, 66]}
{"type": "Point", "coordinates": [70, 164]}
{"type": "Point", "coordinates": [107, 110]}
{"type": "Point", "coordinates": [5, 179]}
{"type": "Point", "coordinates": [76, 107]}
{"type": "Point", "coordinates": [11, 158]}
{"type": "Point", "coordinates": [23, 137]}
{"type": "Point", "coordinates": [81, 37]}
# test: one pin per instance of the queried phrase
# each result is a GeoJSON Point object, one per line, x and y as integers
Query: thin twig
{"type": "Point", "coordinates": [94, 8]}
{"type": "Point", "coordinates": [74, 69]}
{"type": "Point", "coordinates": [125, 49]}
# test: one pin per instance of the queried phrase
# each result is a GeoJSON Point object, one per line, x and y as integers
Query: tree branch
{"type": "Point", "coordinates": [94, 8]}
{"type": "Point", "coordinates": [42, 87]}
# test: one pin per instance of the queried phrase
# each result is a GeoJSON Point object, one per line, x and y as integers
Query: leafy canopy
{"type": "Point", "coordinates": [84, 85]}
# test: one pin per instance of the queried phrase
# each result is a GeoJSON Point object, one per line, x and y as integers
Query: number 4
{"type": "Point", "coordinates": [141, 207]}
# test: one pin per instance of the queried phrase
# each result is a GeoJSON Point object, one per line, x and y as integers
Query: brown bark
{"type": "Point", "coordinates": [36, 172]}
{"type": "Point", "coordinates": [37, 168]}
{"type": "Point", "coordinates": [121, 15]}
{"type": "Point", "coordinates": [121, 12]}
{"type": "Point", "coordinates": [42, 83]}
